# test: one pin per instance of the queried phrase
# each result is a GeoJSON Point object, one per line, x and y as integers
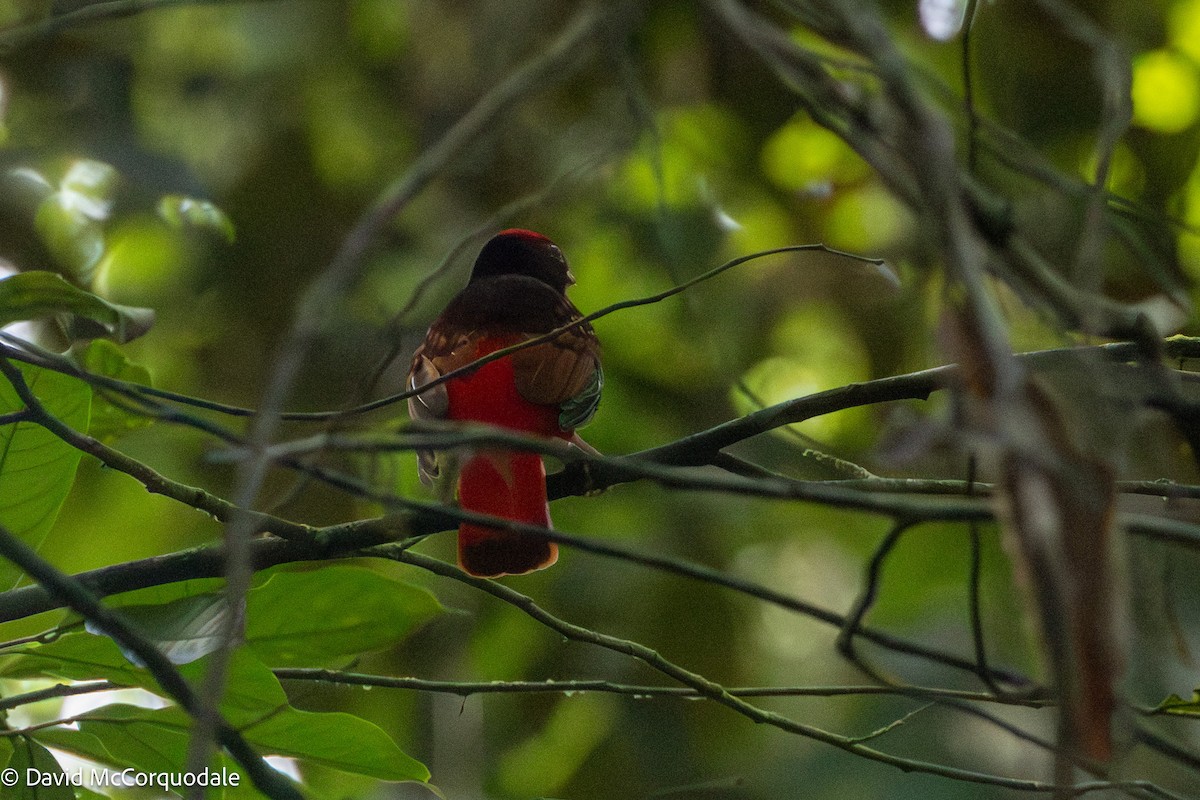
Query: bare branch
{"type": "Point", "coordinates": [572, 687]}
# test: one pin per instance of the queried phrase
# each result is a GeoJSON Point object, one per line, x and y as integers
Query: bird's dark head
{"type": "Point", "coordinates": [521, 252]}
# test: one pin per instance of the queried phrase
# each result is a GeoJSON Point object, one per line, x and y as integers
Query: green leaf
{"type": "Point", "coordinates": [38, 293]}
{"type": "Point", "coordinates": [166, 593]}
{"type": "Point", "coordinates": [28, 755]}
{"type": "Point", "coordinates": [37, 468]}
{"type": "Point", "coordinates": [155, 740]}
{"type": "Point", "coordinates": [77, 743]}
{"type": "Point", "coordinates": [75, 656]}
{"type": "Point", "coordinates": [254, 702]}
{"type": "Point", "coordinates": [184, 618]}
{"type": "Point", "coordinates": [187, 212]}
{"type": "Point", "coordinates": [251, 689]}
{"type": "Point", "coordinates": [347, 611]}
{"type": "Point", "coordinates": [75, 240]}
{"type": "Point", "coordinates": [338, 740]}
{"type": "Point", "coordinates": [310, 618]}
{"type": "Point", "coordinates": [1177, 705]}
{"type": "Point", "coordinates": [152, 740]}
{"type": "Point", "coordinates": [110, 420]}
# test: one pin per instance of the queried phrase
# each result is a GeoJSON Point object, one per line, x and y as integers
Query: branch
{"type": "Point", "coordinates": [15, 38]}
{"type": "Point", "coordinates": [57, 690]}
{"type": "Point", "coordinates": [572, 687]}
{"type": "Point", "coordinates": [719, 694]}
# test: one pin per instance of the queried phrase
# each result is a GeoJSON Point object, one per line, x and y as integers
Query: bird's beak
{"type": "Point", "coordinates": [570, 278]}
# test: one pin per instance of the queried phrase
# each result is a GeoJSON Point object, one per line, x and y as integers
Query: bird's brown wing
{"type": "Point", "coordinates": [445, 349]}
{"type": "Point", "coordinates": [564, 371]}
{"type": "Point", "coordinates": [553, 372]}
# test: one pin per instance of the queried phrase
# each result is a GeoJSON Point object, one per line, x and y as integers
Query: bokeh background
{"type": "Point", "coordinates": [671, 151]}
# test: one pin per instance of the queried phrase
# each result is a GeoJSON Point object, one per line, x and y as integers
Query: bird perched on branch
{"type": "Point", "coordinates": [516, 292]}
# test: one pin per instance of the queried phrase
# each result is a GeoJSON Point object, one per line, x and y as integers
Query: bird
{"type": "Point", "coordinates": [516, 292]}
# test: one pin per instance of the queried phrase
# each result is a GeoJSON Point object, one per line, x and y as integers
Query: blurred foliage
{"type": "Point", "coordinates": [207, 161]}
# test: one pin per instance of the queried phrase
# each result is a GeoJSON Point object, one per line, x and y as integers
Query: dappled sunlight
{"type": "Point", "coordinates": [818, 571]}
{"type": "Point", "coordinates": [815, 349]}
{"type": "Point", "coordinates": [1166, 91]}
{"type": "Point", "coordinates": [806, 158]}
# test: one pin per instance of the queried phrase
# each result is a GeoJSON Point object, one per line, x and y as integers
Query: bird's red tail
{"type": "Point", "coordinates": [510, 485]}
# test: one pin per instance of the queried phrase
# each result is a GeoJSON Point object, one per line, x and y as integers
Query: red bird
{"type": "Point", "coordinates": [517, 291]}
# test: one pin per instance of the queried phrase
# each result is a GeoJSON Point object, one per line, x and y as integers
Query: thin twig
{"type": "Point", "coordinates": [55, 691]}
{"type": "Point", "coordinates": [866, 599]}
{"type": "Point", "coordinates": [968, 79]}
{"type": "Point", "coordinates": [721, 695]}
{"type": "Point", "coordinates": [572, 687]}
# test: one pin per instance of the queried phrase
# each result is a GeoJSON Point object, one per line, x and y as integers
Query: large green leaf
{"type": "Point", "coordinates": [167, 592]}
{"type": "Point", "coordinates": [156, 740]}
{"type": "Point", "coordinates": [38, 293]}
{"type": "Point", "coordinates": [36, 467]}
{"type": "Point", "coordinates": [31, 757]}
{"type": "Point", "coordinates": [251, 690]}
{"type": "Point", "coordinates": [346, 611]}
{"type": "Point", "coordinates": [310, 618]}
{"type": "Point", "coordinates": [77, 743]}
{"type": "Point", "coordinates": [338, 740]}
{"type": "Point", "coordinates": [143, 738]}
{"type": "Point", "coordinates": [134, 749]}
{"type": "Point", "coordinates": [255, 703]}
